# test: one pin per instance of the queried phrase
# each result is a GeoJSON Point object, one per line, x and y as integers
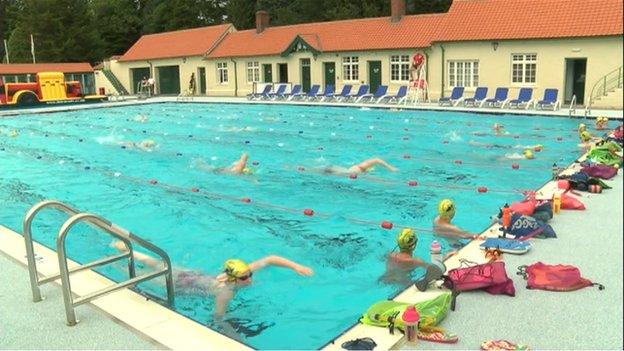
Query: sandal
{"type": "Point", "coordinates": [502, 345]}
{"type": "Point", "coordinates": [437, 336]}
{"type": "Point", "coordinates": [359, 344]}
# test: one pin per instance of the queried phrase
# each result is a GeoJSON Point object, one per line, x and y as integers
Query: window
{"type": "Point", "coordinates": [523, 68]}
{"type": "Point", "coordinates": [351, 68]}
{"type": "Point", "coordinates": [253, 72]}
{"type": "Point", "coordinates": [463, 74]}
{"type": "Point", "coordinates": [222, 72]}
{"type": "Point", "coordinates": [399, 68]}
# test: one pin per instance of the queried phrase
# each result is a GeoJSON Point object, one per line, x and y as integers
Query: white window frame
{"type": "Point", "coordinates": [527, 65]}
{"type": "Point", "coordinates": [253, 72]}
{"type": "Point", "coordinates": [350, 68]}
{"type": "Point", "coordinates": [399, 68]}
{"type": "Point", "coordinates": [222, 73]}
{"type": "Point", "coordinates": [469, 70]}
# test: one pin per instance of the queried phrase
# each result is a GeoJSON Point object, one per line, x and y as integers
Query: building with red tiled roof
{"type": "Point", "coordinates": [25, 72]}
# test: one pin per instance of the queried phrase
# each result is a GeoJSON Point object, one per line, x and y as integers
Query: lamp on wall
{"type": "Point", "coordinates": [494, 45]}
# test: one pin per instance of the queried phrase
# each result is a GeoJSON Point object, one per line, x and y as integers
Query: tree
{"type": "Point", "coordinates": [241, 13]}
{"type": "Point", "coordinates": [118, 23]}
{"type": "Point", "coordinates": [170, 15]}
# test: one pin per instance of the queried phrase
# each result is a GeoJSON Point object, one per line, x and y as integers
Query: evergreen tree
{"type": "Point", "coordinates": [118, 23]}
{"type": "Point", "coordinates": [241, 13]}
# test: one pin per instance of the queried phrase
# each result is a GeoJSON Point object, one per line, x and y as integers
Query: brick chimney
{"type": "Point", "coordinates": [397, 10]}
{"type": "Point", "coordinates": [262, 21]}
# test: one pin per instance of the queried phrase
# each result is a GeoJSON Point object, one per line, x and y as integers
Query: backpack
{"type": "Point", "coordinates": [526, 227]}
{"type": "Point", "coordinates": [554, 277]}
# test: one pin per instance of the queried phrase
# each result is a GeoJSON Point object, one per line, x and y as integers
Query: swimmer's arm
{"type": "Point", "coordinates": [222, 300]}
{"type": "Point", "coordinates": [451, 231]}
{"type": "Point", "coordinates": [411, 260]}
{"type": "Point", "coordinates": [280, 262]}
{"type": "Point", "coordinates": [240, 164]}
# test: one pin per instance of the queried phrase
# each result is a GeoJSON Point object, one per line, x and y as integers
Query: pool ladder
{"type": "Point", "coordinates": [125, 236]}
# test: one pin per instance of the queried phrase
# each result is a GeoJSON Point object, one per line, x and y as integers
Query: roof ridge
{"type": "Point", "coordinates": [186, 30]}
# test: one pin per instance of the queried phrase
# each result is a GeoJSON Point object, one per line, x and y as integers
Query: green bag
{"type": "Point", "coordinates": [388, 313]}
{"type": "Point", "coordinates": [603, 154]}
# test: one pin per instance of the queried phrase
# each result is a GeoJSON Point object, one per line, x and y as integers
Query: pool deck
{"type": "Point", "coordinates": [584, 319]}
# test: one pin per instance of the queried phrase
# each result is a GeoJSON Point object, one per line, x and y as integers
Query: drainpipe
{"type": "Point", "coordinates": [235, 78]}
{"type": "Point", "coordinates": [442, 84]}
{"type": "Point", "coordinates": [426, 52]}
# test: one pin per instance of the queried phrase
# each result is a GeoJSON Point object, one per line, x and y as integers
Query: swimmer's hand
{"type": "Point", "coordinates": [304, 271]}
{"type": "Point", "coordinates": [393, 169]}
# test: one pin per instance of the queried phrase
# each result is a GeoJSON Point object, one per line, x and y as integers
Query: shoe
{"type": "Point", "coordinates": [434, 272]}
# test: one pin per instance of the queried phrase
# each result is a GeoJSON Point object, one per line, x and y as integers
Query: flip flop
{"type": "Point", "coordinates": [506, 245]}
{"type": "Point", "coordinates": [434, 272]}
{"type": "Point", "coordinates": [441, 337]}
{"type": "Point", "coordinates": [502, 345]}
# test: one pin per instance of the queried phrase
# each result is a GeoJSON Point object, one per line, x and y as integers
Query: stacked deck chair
{"type": "Point", "coordinates": [312, 93]}
{"type": "Point", "coordinates": [455, 98]}
{"type": "Point", "coordinates": [295, 92]}
{"type": "Point", "coordinates": [550, 100]}
{"type": "Point", "coordinates": [264, 94]}
{"type": "Point", "coordinates": [499, 99]}
{"type": "Point", "coordinates": [398, 98]}
{"type": "Point", "coordinates": [346, 90]}
{"type": "Point", "coordinates": [361, 92]}
{"type": "Point", "coordinates": [478, 99]}
{"type": "Point", "coordinates": [525, 98]}
{"type": "Point", "coordinates": [279, 93]}
{"type": "Point", "coordinates": [381, 91]}
{"type": "Point", "coordinates": [330, 89]}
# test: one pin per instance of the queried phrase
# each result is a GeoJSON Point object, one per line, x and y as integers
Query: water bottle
{"type": "Point", "coordinates": [556, 205]}
{"type": "Point", "coordinates": [555, 171]}
{"type": "Point", "coordinates": [506, 219]}
{"type": "Point", "coordinates": [410, 319]}
{"type": "Point", "coordinates": [435, 251]}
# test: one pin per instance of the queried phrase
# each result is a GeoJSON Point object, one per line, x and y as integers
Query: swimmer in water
{"type": "Point", "coordinates": [400, 264]}
{"type": "Point", "coordinates": [238, 167]}
{"type": "Point", "coordinates": [450, 233]}
{"type": "Point", "coordinates": [145, 145]}
{"type": "Point", "coordinates": [140, 118]}
{"type": "Point", "coordinates": [236, 274]}
{"type": "Point", "coordinates": [362, 167]}
{"type": "Point", "coordinates": [498, 129]}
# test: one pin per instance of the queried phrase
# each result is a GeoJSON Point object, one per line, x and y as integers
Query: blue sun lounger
{"type": "Point", "coordinates": [346, 90]}
{"type": "Point", "coordinates": [381, 91]}
{"type": "Point", "coordinates": [500, 97]}
{"type": "Point", "coordinates": [399, 97]}
{"type": "Point", "coordinates": [295, 92]}
{"type": "Point", "coordinates": [312, 93]}
{"type": "Point", "coordinates": [525, 97]}
{"type": "Point", "coordinates": [549, 100]}
{"type": "Point", "coordinates": [264, 94]}
{"type": "Point", "coordinates": [279, 92]}
{"type": "Point", "coordinates": [479, 97]}
{"type": "Point", "coordinates": [361, 92]}
{"type": "Point", "coordinates": [330, 89]}
{"type": "Point", "coordinates": [455, 98]}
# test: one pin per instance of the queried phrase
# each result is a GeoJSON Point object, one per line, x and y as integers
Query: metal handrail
{"type": "Point", "coordinates": [35, 280]}
{"type": "Point", "coordinates": [601, 84]}
{"type": "Point", "coordinates": [572, 107]}
{"type": "Point", "coordinates": [127, 238]}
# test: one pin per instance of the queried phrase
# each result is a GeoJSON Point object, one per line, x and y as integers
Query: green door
{"type": "Point", "coordinates": [330, 73]}
{"type": "Point", "coordinates": [374, 75]}
{"type": "Point", "coordinates": [268, 73]}
{"type": "Point", "coordinates": [305, 75]}
{"type": "Point", "coordinates": [138, 74]}
{"type": "Point", "coordinates": [168, 80]}
{"type": "Point", "coordinates": [202, 80]}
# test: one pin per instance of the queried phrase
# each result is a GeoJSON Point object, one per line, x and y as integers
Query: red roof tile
{"type": "Point", "coordinates": [188, 42]}
{"type": "Point", "coordinates": [29, 68]}
{"type": "Point", "coordinates": [530, 19]}
{"type": "Point", "coordinates": [349, 35]}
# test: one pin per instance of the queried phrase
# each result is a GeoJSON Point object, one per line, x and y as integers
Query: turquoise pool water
{"type": "Point", "coordinates": [77, 158]}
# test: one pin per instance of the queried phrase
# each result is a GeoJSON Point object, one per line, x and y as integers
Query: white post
{"type": "Point", "coordinates": [32, 48]}
{"type": "Point", "coordinates": [6, 51]}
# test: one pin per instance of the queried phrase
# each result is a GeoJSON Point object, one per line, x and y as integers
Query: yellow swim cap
{"type": "Point", "coordinates": [235, 268]}
{"type": "Point", "coordinates": [247, 171]}
{"type": "Point", "coordinates": [13, 133]}
{"type": "Point", "coordinates": [446, 209]}
{"type": "Point", "coordinates": [581, 128]}
{"type": "Point", "coordinates": [528, 154]}
{"type": "Point", "coordinates": [585, 136]}
{"type": "Point", "coordinates": [407, 239]}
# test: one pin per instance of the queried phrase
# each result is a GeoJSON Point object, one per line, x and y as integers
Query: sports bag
{"type": "Point", "coordinates": [557, 277]}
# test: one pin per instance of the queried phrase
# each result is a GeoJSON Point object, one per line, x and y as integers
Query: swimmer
{"type": "Point", "coordinates": [442, 226]}
{"type": "Point", "coordinates": [601, 123]}
{"type": "Point", "coordinates": [145, 145]}
{"type": "Point", "coordinates": [498, 129]}
{"type": "Point", "coordinates": [400, 264]}
{"type": "Point", "coordinates": [489, 146]}
{"type": "Point", "coordinates": [140, 118]}
{"type": "Point", "coordinates": [238, 167]}
{"type": "Point", "coordinates": [528, 154]}
{"type": "Point", "coordinates": [236, 274]}
{"type": "Point", "coordinates": [362, 167]}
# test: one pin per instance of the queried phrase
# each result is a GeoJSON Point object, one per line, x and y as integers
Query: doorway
{"type": "Point", "coordinates": [169, 80]}
{"type": "Point", "coordinates": [138, 74]}
{"type": "Point", "coordinates": [268, 73]}
{"type": "Point", "coordinates": [282, 70]}
{"type": "Point", "coordinates": [330, 73]}
{"type": "Point", "coordinates": [575, 80]}
{"type": "Point", "coordinates": [305, 75]}
{"type": "Point", "coordinates": [201, 75]}
{"type": "Point", "coordinates": [374, 75]}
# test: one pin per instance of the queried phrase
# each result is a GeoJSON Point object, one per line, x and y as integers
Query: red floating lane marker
{"type": "Point", "coordinates": [195, 190]}
{"type": "Point", "coordinates": [353, 176]}
{"type": "Point", "coordinates": [412, 183]}
{"type": "Point", "coordinates": [515, 166]}
{"type": "Point", "coordinates": [407, 157]}
{"type": "Point", "coordinates": [482, 189]}
{"type": "Point", "coordinates": [537, 148]}
{"type": "Point", "coordinates": [387, 225]}
{"type": "Point", "coordinates": [153, 181]}
{"type": "Point", "coordinates": [246, 200]}
{"type": "Point", "coordinates": [458, 162]}
{"type": "Point", "coordinates": [308, 212]}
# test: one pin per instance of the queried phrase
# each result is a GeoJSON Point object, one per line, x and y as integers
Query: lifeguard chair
{"type": "Point", "coordinates": [419, 88]}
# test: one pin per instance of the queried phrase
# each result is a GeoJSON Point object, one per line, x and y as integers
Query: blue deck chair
{"type": "Point", "coordinates": [549, 100]}
{"type": "Point", "coordinates": [381, 91]}
{"type": "Point", "coordinates": [525, 97]}
{"type": "Point", "coordinates": [399, 97]}
{"type": "Point", "coordinates": [478, 98]}
{"type": "Point", "coordinates": [362, 90]}
{"type": "Point", "coordinates": [295, 92]}
{"type": "Point", "coordinates": [457, 95]}
{"type": "Point", "coordinates": [330, 89]}
{"type": "Point", "coordinates": [279, 92]}
{"type": "Point", "coordinates": [312, 93]}
{"type": "Point", "coordinates": [346, 90]}
{"type": "Point", "coordinates": [265, 93]}
{"type": "Point", "coordinates": [500, 97]}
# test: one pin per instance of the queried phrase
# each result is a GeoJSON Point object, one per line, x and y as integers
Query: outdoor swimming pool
{"type": "Point", "coordinates": [198, 218]}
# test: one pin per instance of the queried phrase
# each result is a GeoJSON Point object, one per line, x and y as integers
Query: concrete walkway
{"type": "Point", "coordinates": [587, 319]}
{"type": "Point", "coordinates": [25, 325]}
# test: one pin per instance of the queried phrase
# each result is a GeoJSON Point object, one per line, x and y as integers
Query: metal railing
{"type": "Point", "coordinates": [606, 84]}
{"type": "Point", "coordinates": [125, 236]}
{"type": "Point", "coordinates": [572, 108]}
{"type": "Point", "coordinates": [112, 78]}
